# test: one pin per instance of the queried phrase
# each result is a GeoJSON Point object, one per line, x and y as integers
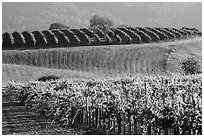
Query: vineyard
{"type": "Point", "coordinates": [149, 101]}
{"type": "Point", "coordinates": [136, 105]}
{"type": "Point", "coordinates": [87, 37]}
{"type": "Point", "coordinates": [131, 60]}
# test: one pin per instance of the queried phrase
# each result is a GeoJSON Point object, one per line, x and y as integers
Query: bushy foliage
{"type": "Point", "coordinates": [8, 40]}
{"type": "Point", "coordinates": [163, 102]}
{"type": "Point", "coordinates": [29, 39]}
{"type": "Point", "coordinates": [177, 34]}
{"type": "Point", "coordinates": [183, 33]}
{"type": "Point", "coordinates": [19, 40]}
{"type": "Point", "coordinates": [134, 36]}
{"type": "Point", "coordinates": [99, 32]}
{"type": "Point", "coordinates": [194, 31]}
{"type": "Point", "coordinates": [126, 39]}
{"type": "Point", "coordinates": [108, 39]}
{"type": "Point", "coordinates": [162, 36]}
{"type": "Point", "coordinates": [84, 39]}
{"type": "Point", "coordinates": [63, 40]}
{"type": "Point", "coordinates": [119, 40]}
{"type": "Point", "coordinates": [191, 66]}
{"type": "Point", "coordinates": [190, 33]}
{"type": "Point", "coordinates": [40, 38]}
{"type": "Point", "coordinates": [145, 38]}
{"type": "Point", "coordinates": [171, 35]}
{"type": "Point", "coordinates": [73, 39]}
{"type": "Point", "coordinates": [88, 32]}
{"type": "Point", "coordinates": [48, 78]}
{"type": "Point", "coordinates": [94, 36]}
{"type": "Point", "coordinates": [100, 22]}
{"type": "Point", "coordinates": [59, 26]}
{"type": "Point", "coordinates": [50, 38]}
{"type": "Point", "coordinates": [149, 33]}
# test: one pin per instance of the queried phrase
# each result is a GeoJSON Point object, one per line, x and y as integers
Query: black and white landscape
{"type": "Point", "coordinates": [119, 68]}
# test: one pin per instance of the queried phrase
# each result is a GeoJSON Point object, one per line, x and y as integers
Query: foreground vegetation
{"type": "Point", "coordinates": [137, 105]}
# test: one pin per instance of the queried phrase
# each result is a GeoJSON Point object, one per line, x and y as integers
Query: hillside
{"type": "Point", "coordinates": [100, 61]}
{"type": "Point", "coordinates": [36, 16]}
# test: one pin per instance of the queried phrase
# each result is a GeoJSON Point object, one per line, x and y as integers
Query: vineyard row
{"type": "Point", "coordinates": [138, 105]}
{"type": "Point", "coordinates": [87, 37]}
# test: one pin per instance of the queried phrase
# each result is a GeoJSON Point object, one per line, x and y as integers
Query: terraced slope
{"type": "Point", "coordinates": [86, 37]}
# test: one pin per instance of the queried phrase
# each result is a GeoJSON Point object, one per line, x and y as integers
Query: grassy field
{"type": "Point", "coordinates": [101, 61]}
{"type": "Point", "coordinates": [23, 73]}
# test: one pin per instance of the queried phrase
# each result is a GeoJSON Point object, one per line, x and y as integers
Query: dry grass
{"type": "Point", "coordinates": [23, 73]}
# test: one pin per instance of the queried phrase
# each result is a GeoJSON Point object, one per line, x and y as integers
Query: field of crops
{"type": "Point", "coordinates": [131, 60]}
{"type": "Point", "coordinates": [152, 105]}
{"type": "Point", "coordinates": [87, 37]}
{"type": "Point", "coordinates": [152, 58]}
{"type": "Point", "coordinates": [135, 105]}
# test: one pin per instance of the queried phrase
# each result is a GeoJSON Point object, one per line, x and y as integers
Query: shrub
{"type": "Point", "coordinates": [99, 32]}
{"type": "Point", "coordinates": [58, 26]}
{"type": "Point", "coordinates": [126, 39]}
{"type": "Point", "coordinates": [162, 36]}
{"type": "Point", "coordinates": [40, 38]}
{"type": "Point", "coordinates": [48, 78]}
{"type": "Point", "coordinates": [150, 33]}
{"type": "Point", "coordinates": [108, 39]}
{"type": "Point", "coordinates": [183, 33]}
{"type": "Point", "coordinates": [100, 22]}
{"type": "Point", "coordinates": [63, 40]}
{"type": "Point", "coordinates": [135, 37]}
{"type": "Point", "coordinates": [144, 37]}
{"type": "Point", "coordinates": [73, 39]}
{"type": "Point", "coordinates": [169, 34]}
{"type": "Point", "coordinates": [50, 37]}
{"type": "Point", "coordinates": [84, 39]}
{"type": "Point", "coordinates": [191, 66]}
{"type": "Point", "coordinates": [29, 39]}
{"type": "Point", "coordinates": [8, 40]}
{"type": "Point", "coordinates": [187, 31]}
{"type": "Point", "coordinates": [177, 34]}
{"type": "Point", "coordinates": [88, 32]}
{"type": "Point", "coordinates": [119, 39]}
{"type": "Point", "coordinates": [19, 40]}
{"type": "Point", "coordinates": [194, 31]}
{"type": "Point", "coordinates": [98, 39]}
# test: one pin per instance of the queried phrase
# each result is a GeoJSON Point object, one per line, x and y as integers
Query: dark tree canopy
{"type": "Point", "coordinates": [100, 22]}
{"type": "Point", "coordinates": [58, 26]}
{"type": "Point", "coordinates": [123, 26]}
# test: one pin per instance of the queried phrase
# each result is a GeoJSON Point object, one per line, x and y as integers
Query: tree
{"type": "Point", "coordinates": [58, 26]}
{"type": "Point", "coordinates": [100, 22]}
{"type": "Point", "coordinates": [191, 66]}
{"type": "Point", "coordinates": [123, 26]}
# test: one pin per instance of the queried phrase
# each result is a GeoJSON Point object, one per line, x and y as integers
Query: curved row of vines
{"type": "Point", "coordinates": [138, 105]}
{"type": "Point", "coordinates": [87, 37]}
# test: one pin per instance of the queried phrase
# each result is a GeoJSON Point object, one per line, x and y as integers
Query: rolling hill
{"type": "Point", "coordinates": [100, 61]}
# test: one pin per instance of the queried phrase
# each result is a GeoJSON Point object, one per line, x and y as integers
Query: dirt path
{"type": "Point", "coordinates": [18, 119]}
